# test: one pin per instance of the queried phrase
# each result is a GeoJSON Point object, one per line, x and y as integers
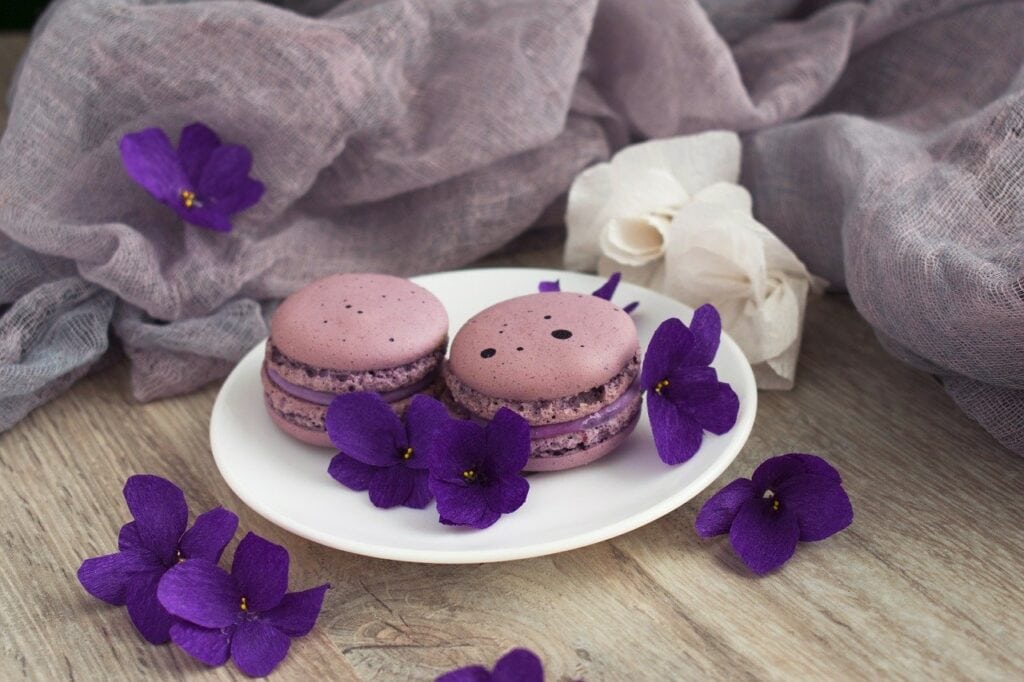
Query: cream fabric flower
{"type": "Point", "coordinates": [669, 215]}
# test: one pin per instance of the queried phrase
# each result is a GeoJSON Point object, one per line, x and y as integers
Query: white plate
{"type": "Point", "coordinates": [287, 481]}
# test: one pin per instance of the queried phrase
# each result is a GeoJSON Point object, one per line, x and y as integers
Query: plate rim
{"type": "Point", "coordinates": [742, 428]}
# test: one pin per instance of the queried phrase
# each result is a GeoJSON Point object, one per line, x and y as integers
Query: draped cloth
{"type": "Point", "coordinates": [882, 143]}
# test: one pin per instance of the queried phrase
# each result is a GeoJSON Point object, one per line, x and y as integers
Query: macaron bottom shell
{"type": "Point", "coordinates": [582, 457]}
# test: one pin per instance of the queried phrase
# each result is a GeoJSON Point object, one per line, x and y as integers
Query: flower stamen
{"type": "Point", "coordinates": [406, 454]}
{"type": "Point", "coordinates": [188, 198]}
{"type": "Point", "coordinates": [177, 554]}
{"type": "Point", "coordinates": [661, 385]}
{"type": "Point", "coordinates": [469, 475]}
{"type": "Point", "coordinates": [243, 605]}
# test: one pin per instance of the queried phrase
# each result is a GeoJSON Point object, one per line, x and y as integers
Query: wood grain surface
{"type": "Point", "coordinates": [926, 583]}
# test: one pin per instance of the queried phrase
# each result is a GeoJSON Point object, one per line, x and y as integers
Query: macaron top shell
{"type": "Point", "coordinates": [359, 322]}
{"type": "Point", "coordinates": [543, 346]}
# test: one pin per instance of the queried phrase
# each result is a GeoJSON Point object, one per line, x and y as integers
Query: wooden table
{"type": "Point", "coordinates": [926, 583]}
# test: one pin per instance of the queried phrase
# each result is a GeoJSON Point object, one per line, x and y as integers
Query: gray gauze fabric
{"type": "Point", "coordinates": [882, 143]}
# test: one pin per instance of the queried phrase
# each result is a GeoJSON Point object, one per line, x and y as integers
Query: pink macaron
{"type": "Point", "coordinates": [351, 332]}
{"type": "Point", "coordinates": [568, 363]}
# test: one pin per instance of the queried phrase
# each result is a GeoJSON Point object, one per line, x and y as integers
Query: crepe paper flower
{"type": "Point", "coordinates": [380, 454]}
{"type": "Point", "coordinates": [475, 470]}
{"type": "Point", "coordinates": [245, 615]}
{"type": "Point", "coordinates": [684, 396]}
{"type": "Point", "coordinates": [790, 498]}
{"type": "Point", "coordinates": [605, 291]}
{"type": "Point", "coordinates": [204, 181]}
{"type": "Point", "coordinates": [149, 546]}
{"type": "Point", "coordinates": [518, 665]}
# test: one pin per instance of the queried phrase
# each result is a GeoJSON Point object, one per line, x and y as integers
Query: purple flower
{"type": "Point", "coordinates": [244, 615]}
{"type": "Point", "coordinates": [684, 396]}
{"type": "Point", "coordinates": [518, 665]}
{"type": "Point", "coordinates": [605, 291]}
{"type": "Point", "coordinates": [379, 454]}
{"type": "Point", "coordinates": [474, 472]}
{"type": "Point", "coordinates": [204, 181]}
{"type": "Point", "coordinates": [150, 545]}
{"type": "Point", "coordinates": [789, 498]}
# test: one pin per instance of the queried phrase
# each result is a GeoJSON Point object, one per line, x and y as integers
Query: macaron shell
{"type": "Point", "coordinates": [582, 457]}
{"type": "Point", "coordinates": [359, 322]}
{"type": "Point", "coordinates": [317, 438]}
{"type": "Point", "coordinates": [543, 346]}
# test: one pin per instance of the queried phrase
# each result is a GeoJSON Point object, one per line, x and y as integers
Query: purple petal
{"type": "Point", "coordinates": [129, 540]}
{"type": "Point", "coordinates": [151, 162]}
{"type": "Point", "coordinates": [774, 470]}
{"type": "Point", "coordinates": [391, 486]}
{"type": "Point", "coordinates": [717, 514]}
{"type": "Point", "coordinates": [107, 577]}
{"type": "Point", "coordinates": [194, 148]}
{"type": "Point", "coordinates": [247, 194]}
{"type": "Point", "coordinates": [630, 307]}
{"type": "Point", "coordinates": [201, 593]}
{"type": "Point", "coordinates": [821, 506]}
{"type": "Point", "coordinates": [676, 436]}
{"type": "Point", "coordinates": [691, 385]}
{"type": "Point", "coordinates": [463, 449]}
{"type": "Point", "coordinates": [209, 535]}
{"type": "Point", "coordinates": [507, 442]}
{"type": "Point", "coordinates": [507, 494]}
{"type": "Point", "coordinates": [258, 647]}
{"type": "Point", "coordinates": [426, 423]}
{"type": "Point", "coordinates": [763, 539]}
{"type": "Point", "coordinates": [351, 473]}
{"type": "Point", "coordinates": [472, 673]}
{"type": "Point", "coordinates": [260, 570]}
{"type": "Point", "coordinates": [209, 646]}
{"type": "Point", "coordinates": [365, 428]}
{"type": "Point", "coordinates": [486, 519]}
{"type": "Point", "coordinates": [148, 616]}
{"type": "Point", "coordinates": [607, 290]}
{"type": "Point", "coordinates": [460, 504]}
{"type": "Point", "coordinates": [706, 328]}
{"type": "Point", "coordinates": [210, 217]}
{"type": "Point", "coordinates": [296, 615]}
{"type": "Point", "coordinates": [668, 347]}
{"type": "Point", "coordinates": [225, 170]}
{"type": "Point", "coordinates": [718, 414]}
{"type": "Point", "coordinates": [160, 513]}
{"type": "Point", "coordinates": [518, 665]}
{"type": "Point", "coordinates": [548, 287]}
{"type": "Point", "coordinates": [420, 496]}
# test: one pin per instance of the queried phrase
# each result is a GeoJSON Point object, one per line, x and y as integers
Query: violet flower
{"type": "Point", "coordinates": [379, 454]}
{"type": "Point", "coordinates": [475, 471]}
{"type": "Point", "coordinates": [790, 498]}
{"type": "Point", "coordinates": [605, 291]}
{"type": "Point", "coordinates": [518, 665]}
{"type": "Point", "coordinates": [245, 615]}
{"type": "Point", "coordinates": [204, 181]}
{"type": "Point", "coordinates": [684, 396]}
{"type": "Point", "coordinates": [149, 546]}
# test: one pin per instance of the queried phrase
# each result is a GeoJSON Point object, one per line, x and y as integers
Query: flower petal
{"type": "Point", "coordinates": [296, 615]}
{"type": "Point", "coordinates": [460, 504]}
{"type": "Point", "coordinates": [426, 421]}
{"type": "Point", "coordinates": [160, 512]}
{"type": "Point", "coordinates": [717, 414]}
{"type": "Point", "coordinates": [194, 148]}
{"type": "Point", "coordinates": [548, 287]}
{"type": "Point", "coordinates": [668, 347]}
{"type": "Point", "coordinates": [209, 646]}
{"type": "Point", "coordinates": [717, 514]}
{"type": "Point", "coordinates": [224, 172]}
{"type": "Point", "coordinates": [630, 307]}
{"type": "Point", "coordinates": [365, 428]}
{"type": "Point", "coordinates": [201, 593]}
{"type": "Point", "coordinates": [821, 506]}
{"type": "Point", "coordinates": [676, 436]}
{"type": "Point", "coordinates": [773, 471]}
{"type": "Point", "coordinates": [248, 193]}
{"type": "Point", "coordinates": [258, 647]}
{"type": "Point", "coordinates": [129, 540]}
{"type": "Point", "coordinates": [150, 160]}
{"type": "Point", "coordinates": [148, 616]}
{"type": "Point", "coordinates": [706, 328]}
{"type": "Point", "coordinates": [607, 290]}
{"type": "Point", "coordinates": [472, 673]}
{"type": "Point", "coordinates": [391, 486]}
{"type": "Point", "coordinates": [208, 216]}
{"type": "Point", "coordinates": [351, 473]}
{"type": "Point", "coordinates": [727, 194]}
{"type": "Point", "coordinates": [507, 442]}
{"type": "Point", "coordinates": [635, 240]}
{"type": "Point", "coordinates": [763, 539]}
{"type": "Point", "coordinates": [507, 494]}
{"type": "Point", "coordinates": [107, 577]}
{"type": "Point", "coordinates": [420, 496]}
{"type": "Point", "coordinates": [209, 535]}
{"type": "Point", "coordinates": [464, 443]}
{"type": "Point", "coordinates": [518, 665]}
{"type": "Point", "coordinates": [260, 570]}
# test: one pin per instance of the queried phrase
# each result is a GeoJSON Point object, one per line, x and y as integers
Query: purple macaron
{"type": "Point", "coordinates": [351, 332]}
{"type": "Point", "coordinates": [568, 363]}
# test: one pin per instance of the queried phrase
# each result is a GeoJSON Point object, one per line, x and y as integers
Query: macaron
{"type": "Point", "coordinates": [568, 363]}
{"type": "Point", "coordinates": [351, 332]}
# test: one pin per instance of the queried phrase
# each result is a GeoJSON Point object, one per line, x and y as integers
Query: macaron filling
{"type": "Point", "coordinates": [324, 398]}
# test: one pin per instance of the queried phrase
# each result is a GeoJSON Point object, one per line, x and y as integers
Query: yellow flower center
{"type": "Point", "coordinates": [770, 495]}
{"type": "Point", "coordinates": [188, 198]}
{"type": "Point", "coordinates": [658, 387]}
{"type": "Point", "coordinates": [469, 475]}
{"type": "Point", "coordinates": [407, 454]}
{"type": "Point", "coordinates": [243, 605]}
